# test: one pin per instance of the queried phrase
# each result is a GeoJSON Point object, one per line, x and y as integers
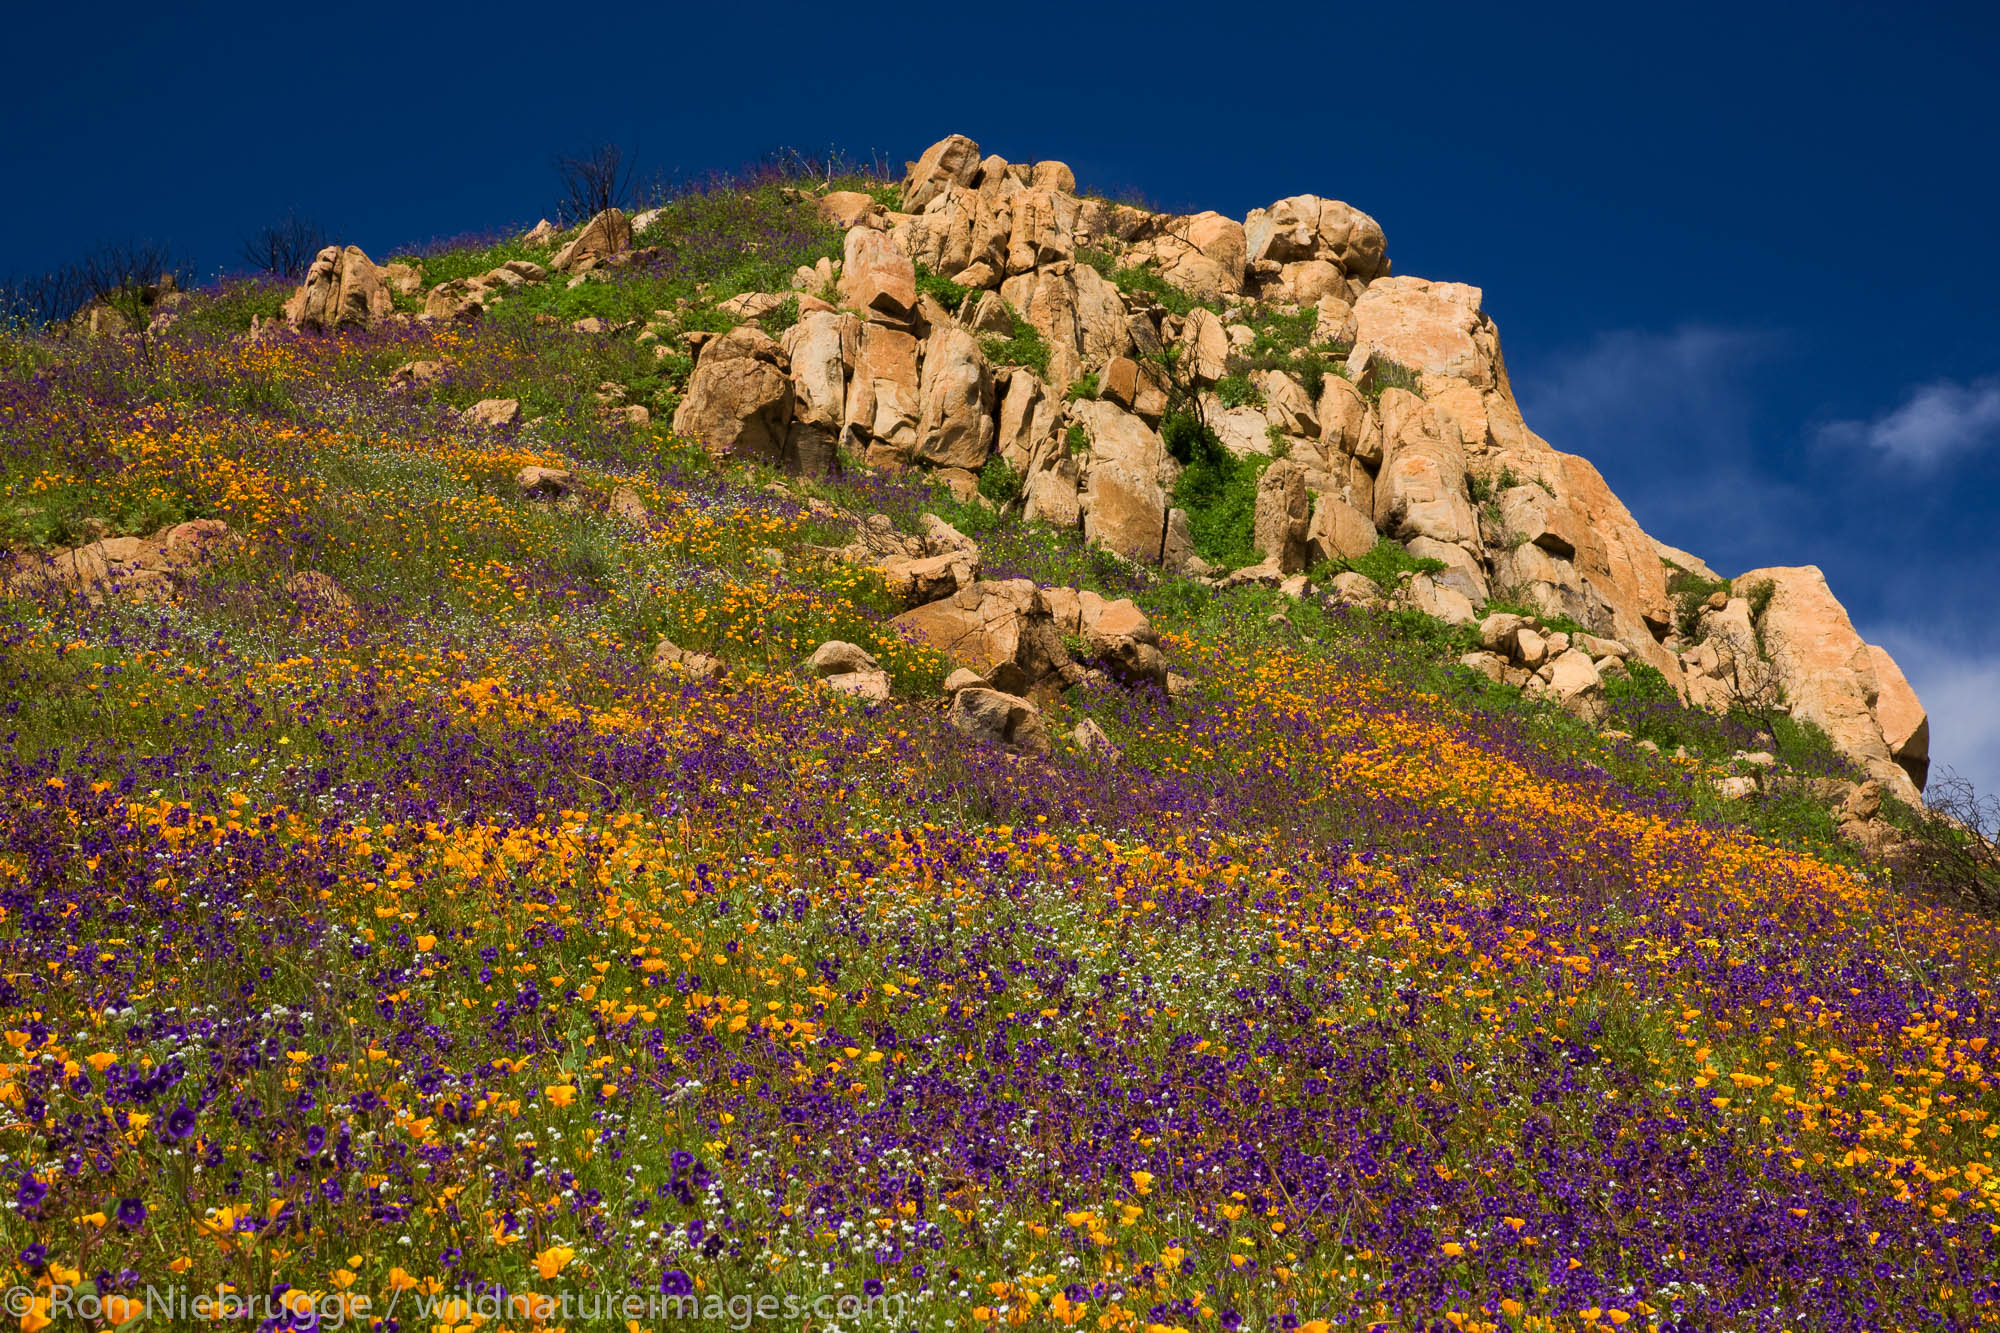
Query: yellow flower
{"type": "Point", "coordinates": [562, 1094]}
{"type": "Point", "coordinates": [1142, 1181]}
{"type": "Point", "coordinates": [552, 1260]}
{"type": "Point", "coordinates": [1453, 1248]}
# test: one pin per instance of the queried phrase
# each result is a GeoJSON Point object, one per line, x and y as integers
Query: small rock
{"type": "Point", "coordinates": [670, 659]}
{"type": "Point", "coordinates": [317, 593]}
{"type": "Point", "coordinates": [626, 506]}
{"type": "Point", "coordinates": [1088, 737]}
{"type": "Point", "coordinates": [494, 413]}
{"type": "Point", "coordinates": [963, 678]}
{"type": "Point", "coordinates": [1735, 788]}
{"type": "Point", "coordinates": [544, 483]}
{"type": "Point", "coordinates": [838, 657]}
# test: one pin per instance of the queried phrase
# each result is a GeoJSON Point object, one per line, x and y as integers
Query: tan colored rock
{"type": "Point", "coordinates": [1052, 496]}
{"type": "Point", "coordinates": [1420, 492]}
{"type": "Point", "coordinates": [1338, 531]}
{"type": "Point", "coordinates": [1055, 177]}
{"type": "Point", "coordinates": [315, 593]}
{"type": "Point", "coordinates": [544, 483]}
{"type": "Point", "coordinates": [955, 426]}
{"type": "Point", "coordinates": [401, 279]}
{"type": "Point", "coordinates": [341, 289]}
{"type": "Point", "coordinates": [953, 160]}
{"type": "Point", "coordinates": [1001, 629]}
{"type": "Point", "coordinates": [493, 414]}
{"type": "Point", "coordinates": [1435, 599]}
{"type": "Point", "coordinates": [739, 399]}
{"type": "Point", "coordinates": [669, 659]}
{"type": "Point", "coordinates": [821, 348]}
{"type": "Point", "coordinates": [607, 234]}
{"type": "Point", "coordinates": [998, 718]}
{"type": "Point", "coordinates": [1826, 670]}
{"type": "Point", "coordinates": [1529, 513]}
{"type": "Point", "coordinates": [1125, 510]}
{"type": "Point", "coordinates": [837, 657]}
{"type": "Point", "coordinates": [1436, 328]}
{"type": "Point", "coordinates": [1282, 516]}
{"type": "Point", "coordinates": [876, 278]}
{"type": "Point", "coordinates": [1205, 346]}
{"type": "Point", "coordinates": [882, 397]}
{"type": "Point", "coordinates": [1306, 227]}
{"type": "Point", "coordinates": [1906, 728]}
{"type": "Point", "coordinates": [625, 505]}
{"type": "Point", "coordinates": [851, 208]}
{"type": "Point", "coordinates": [917, 580]}
{"type": "Point", "coordinates": [1286, 404]}
{"type": "Point", "coordinates": [1090, 740]}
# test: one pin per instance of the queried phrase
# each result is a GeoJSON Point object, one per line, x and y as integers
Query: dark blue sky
{"type": "Point", "coordinates": [1744, 257]}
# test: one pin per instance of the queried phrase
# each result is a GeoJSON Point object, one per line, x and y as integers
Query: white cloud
{"type": "Point", "coordinates": [1935, 422]}
{"type": "Point", "coordinates": [1959, 685]}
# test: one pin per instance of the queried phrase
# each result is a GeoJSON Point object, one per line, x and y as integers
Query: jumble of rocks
{"type": "Point", "coordinates": [1416, 437]}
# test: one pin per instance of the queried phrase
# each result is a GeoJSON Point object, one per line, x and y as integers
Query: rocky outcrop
{"type": "Point", "coordinates": [1828, 673]}
{"type": "Point", "coordinates": [141, 568]}
{"type": "Point", "coordinates": [343, 288]}
{"type": "Point", "coordinates": [1416, 436]}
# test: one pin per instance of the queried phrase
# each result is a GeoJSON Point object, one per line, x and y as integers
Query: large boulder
{"type": "Point", "coordinates": [952, 160]}
{"type": "Point", "coordinates": [607, 234]}
{"type": "Point", "coordinates": [1282, 516]}
{"type": "Point", "coordinates": [998, 718]}
{"type": "Point", "coordinates": [739, 399]}
{"type": "Point", "coordinates": [1827, 671]}
{"type": "Point", "coordinates": [1125, 510]}
{"type": "Point", "coordinates": [140, 568]}
{"type": "Point", "coordinates": [955, 427]}
{"type": "Point", "coordinates": [876, 278]}
{"type": "Point", "coordinates": [1906, 728]}
{"type": "Point", "coordinates": [1431, 328]}
{"type": "Point", "coordinates": [1001, 629]}
{"type": "Point", "coordinates": [1338, 531]}
{"type": "Point", "coordinates": [342, 288]}
{"type": "Point", "coordinates": [882, 397]}
{"type": "Point", "coordinates": [1306, 229]}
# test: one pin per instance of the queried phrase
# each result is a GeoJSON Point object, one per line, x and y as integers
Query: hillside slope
{"type": "Point", "coordinates": [470, 841]}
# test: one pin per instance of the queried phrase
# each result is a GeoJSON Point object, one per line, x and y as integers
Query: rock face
{"type": "Point", "coordinates": [1417, 437]}
{"type": "Point", "coordinates": [1830, 677]}
{"type": "Point", "coordinates": [739, 399]}
{"type": "Point", "coordinates": [342, 288]}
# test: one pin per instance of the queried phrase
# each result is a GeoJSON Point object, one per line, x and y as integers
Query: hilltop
{"type": "Point", "coordinates": [952, 751]}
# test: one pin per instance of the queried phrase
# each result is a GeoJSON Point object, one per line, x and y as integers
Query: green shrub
{"type": "Point", "coordinates": [942, 289]}
{"type": "Point", "coordinates": [1145, 281]}
{"type": "Point", "coordinates": [1085, 387]}
{"type": "Point", "coordinates": [782, 318]}
{"type": "Point", "coordinates": [1691, 593]}
{"type": "Point", "coordinates": [1217, 489]}
{"type": "Point", "coordinates": [1236, 390]}
{"type": "Point", "coordinates": [1025, 348]}
{"type": "Point", "coordinates": [1078, 439]}
{"type": "Point", "coordinates": [1383, 563]}
{"type": "Point", "coordinates": [999, 480]}
{"type": "Point", "coordinates": [1385, 374]}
